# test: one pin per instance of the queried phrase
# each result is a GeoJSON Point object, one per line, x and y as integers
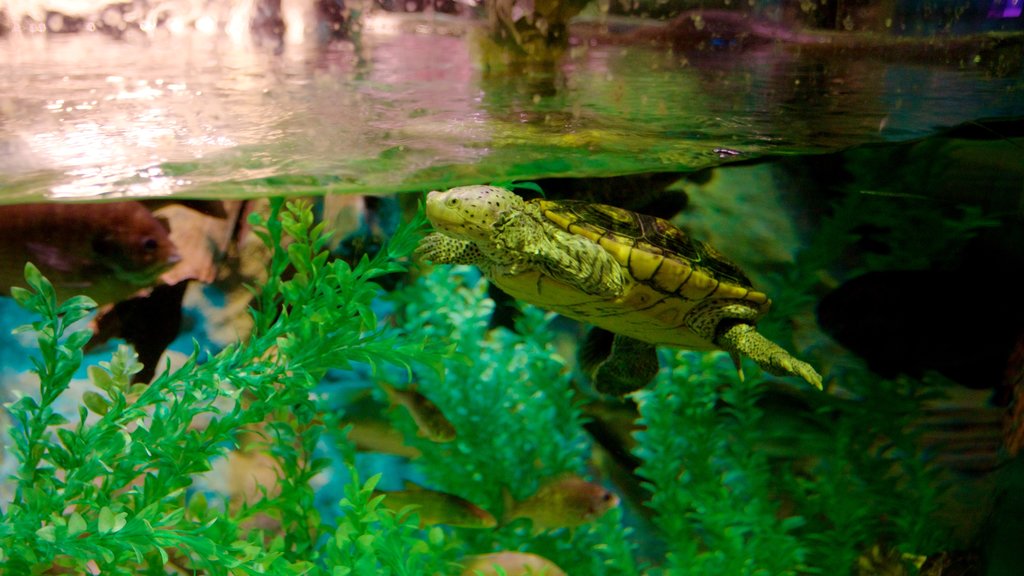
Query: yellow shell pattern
{"type": "Point", "coordinates": [669, 274]}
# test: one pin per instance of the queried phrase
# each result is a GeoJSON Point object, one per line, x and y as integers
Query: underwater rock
{"type": "Point", "coordinates": [723, 30]}
{"type": "Point", "coordinates": [105, 251]}
{"type": "Point", "coordinates": [530, 33]}
{"type": "Point", "coordinates": [360, 225]}
{"type": "Point", "coordinates": [976, 163]}
{"type": "Point", "coordinates": [509, 564]}
{"type": "Point", "coordinates": [267, 23]}
{"type": "Point", "coordinates": [226, 312]}
{"type": "Point", "coordinates": [204, 234]}
{"type": "Point", "coordinates": [1013, 425]}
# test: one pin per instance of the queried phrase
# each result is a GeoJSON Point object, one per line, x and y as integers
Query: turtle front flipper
{"type": "Point", "coordinates": [617, 364]}
{"type": "Point", "coordinates": [568, 258]}
{"type": "Point", "coordinates": [440, 249]}
{"type": "Point", "coordinates": [741, 338]}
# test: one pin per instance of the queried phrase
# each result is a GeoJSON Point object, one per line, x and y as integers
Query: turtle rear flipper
{"type": "Point", "coordinates": [617, 364]}
{"type": "Point", "coordinates": [743, 339]}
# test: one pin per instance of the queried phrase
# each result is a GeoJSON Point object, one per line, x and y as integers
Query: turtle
{"type": "Point", "coordinates": [637, 277]}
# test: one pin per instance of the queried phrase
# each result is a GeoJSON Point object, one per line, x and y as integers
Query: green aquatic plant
{"type": "Point", "coordinates": [751, 478]}
{"type": "Point", "coordinates": [510, 397]}
{"type": "Point", "coordinates": [846, 474]}
{"type": "Point", "coordinates": [371, 540]}
{"type": "Point", "coordinates": [737, 486]}
{"type": "Point", "coordinates": [711, 484]}
{"type": "Point", "coordinates": [111, 490]}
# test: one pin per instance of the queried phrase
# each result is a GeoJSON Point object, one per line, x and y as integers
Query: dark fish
{"type": "Point", "coordinates": [149, 323]}
{"type": "Point", "coordinates": [105, 251]}
{"type": "Point", "coordinates": [201, 232]}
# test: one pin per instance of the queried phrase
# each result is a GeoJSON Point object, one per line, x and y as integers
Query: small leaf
{"type": "Point", "coordinates": [120, 520]}
{"type": "Point", "coordinates": [55, 419]}
{"type": "Point", "coordinates": [105, 522]}
{"type": "Point", "coordinates": [365, 542]}
{"type": "Point", "coordinates": [371, 482]}
{"type": "Point", "coordinates": [78, 303]}
{"type": "Point", "coordinates": [22, 296]}
{"type": "Point", "coordinates": [68, 438]}
{"type": "Point", "coordinates": [47, 533]}
{"type": "Point", "coordinates": [101, 378]}
{"type": "Point", "coordinates": [33, 276]}
{"type": "Point", "coordinates": [105, 554]}
{"type": "Point", "coordinates": [76, 524]}
{"type": "Point", "coordinates": [78, 339]}
{"type": "Point", "coordinates": [533, 186]}
{"type": "Point", "coordinates": [94, 402]}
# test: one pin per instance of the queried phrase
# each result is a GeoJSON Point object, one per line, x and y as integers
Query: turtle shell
{"type": "Point", "coordinates": [671, 274]}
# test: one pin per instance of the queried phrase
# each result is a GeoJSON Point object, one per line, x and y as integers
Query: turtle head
{"type": "Point", "coordinates": [470, 212]}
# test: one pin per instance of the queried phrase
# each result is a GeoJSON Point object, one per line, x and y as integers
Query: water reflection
{"type": "Point", "coordinates": [408, 105]}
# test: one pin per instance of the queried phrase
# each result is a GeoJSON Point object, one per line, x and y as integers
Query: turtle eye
{"type": "Point", "coordinates": [452, 202]}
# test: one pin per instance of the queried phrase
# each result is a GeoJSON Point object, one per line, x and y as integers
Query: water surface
{"type": "Point", "coordinates": [408, 107]}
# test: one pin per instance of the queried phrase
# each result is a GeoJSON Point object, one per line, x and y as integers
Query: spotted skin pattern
{"type": "Point", "coordinates": [636, 276]}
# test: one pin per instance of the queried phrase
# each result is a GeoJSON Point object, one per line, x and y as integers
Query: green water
{"type": "Point", "coordinates": [409, 108]}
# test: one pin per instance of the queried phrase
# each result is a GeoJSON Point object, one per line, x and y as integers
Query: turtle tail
{"type": "Point", "coordinates": [743, 339]}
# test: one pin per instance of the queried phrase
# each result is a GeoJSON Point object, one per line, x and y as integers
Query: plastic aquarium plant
{"type": "Point", "coordinates": [712, 489]}
{"type": "Point", "coordinates": [746, 480]}
{"type": "Point", "coordinates": [108, 490]}
{"type": "Point", "coordinates": [739, 484]}
{"type": "Point", "coordinates": [517, 416]}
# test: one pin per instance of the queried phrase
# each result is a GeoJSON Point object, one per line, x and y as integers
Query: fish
{"type": "Point", "coordinates": [148, 322]}
{"type": "Point", "coordinates": [373, 435]}
{"type": "Point", "coordinates": [565, 501]}
{"type": "Point", "coordinates": [509, 564]}
{"type": "Point", "coordinates": [429, 419]}
{"type": "Point", "coordinates": [435, 507]}
{"type": "Point", "coordinates": [202, 233]}
{"type": "Point", "coordinates": [107, 252]}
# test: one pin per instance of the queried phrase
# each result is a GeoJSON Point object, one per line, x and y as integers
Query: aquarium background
{"type": "Point", "coordinates": [861, 161]}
